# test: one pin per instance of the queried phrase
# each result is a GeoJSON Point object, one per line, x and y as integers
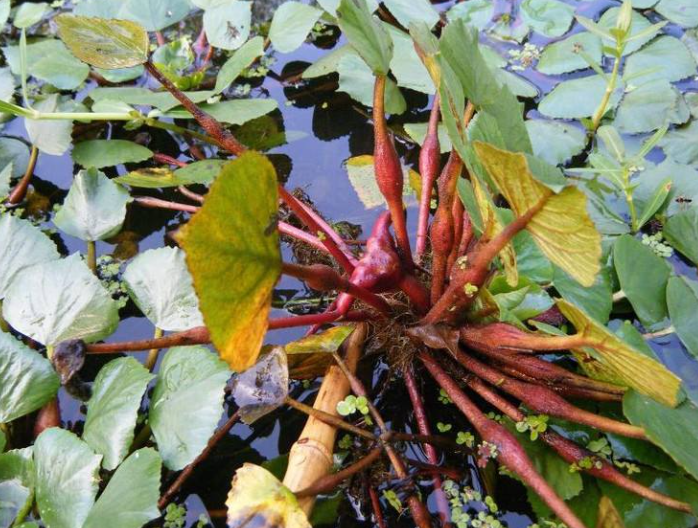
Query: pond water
{"type": "Point", "coordinates": [327, 128]}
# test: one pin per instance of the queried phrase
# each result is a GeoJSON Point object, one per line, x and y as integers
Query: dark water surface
{"type": "Point", "coordinates": [330, 128]}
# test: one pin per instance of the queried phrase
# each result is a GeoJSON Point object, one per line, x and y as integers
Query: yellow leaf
{"type": "Point", "coordinates": [561, 226]}
{"type": "Point", "coordinates": [232, 250]}
{"type": "Point", "coordinates": [618, 362]}
{"type": "Point", "coordinates": [608, 515]}
{"type": "Point", "coordinates": [258, 499]}
{"type": "Point", "coordinates": [491, 228]}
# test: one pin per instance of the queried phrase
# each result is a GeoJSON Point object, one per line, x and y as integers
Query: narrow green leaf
{"type": "Point", "coordinates": [655, 202]}
{"type": "Point", "coordinates": [365, 34]}
{"type": "Point", "coordinates": [681, 230]}
{"type": "Point", "coordinates": [241, 59]}
{"type": "Point", "coordinates": [99, 153]}
{"type": "Point", "coordinates": [291, 25]}
{"type": "Point", "coordinates": [682, 300]}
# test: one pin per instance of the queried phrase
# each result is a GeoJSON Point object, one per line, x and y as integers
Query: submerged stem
{"type": "Point", "coordinates": [92, 256]}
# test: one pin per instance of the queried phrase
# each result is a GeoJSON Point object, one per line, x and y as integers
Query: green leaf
{"type": "Point", "coordinates": [595, 300]}
{"type": "Point", "coordinates": [95, 207]}
{"type": "Point", "coordinates": [257, 494]}
{"type": "Point", "coordinates": [664, 58]}
{"type": "Point", "coordinates": [561, 226]}
{"type": "Point", "coordinates": [227, 24]}
{"type": "Point", "coordinates": [640, 30]}
{"type": "Point", "coordinates": [132, 95]}
{"type": "Point", "coordinates": [567, 55]}
{"type": "Point", "coordinates": [5, 178]}
{"type": "Point", "coordinates": [643, 277]}
{"type": "Point", "coordinates": [28, 14]}
{"type": "Point", "coordinates": [365, 34]}
{"type": "Point", "coordinates": [15, 152]}
{"type": "Point", "coordinates": [99, 153]}
{"type": "Point", "coordinates": [236, 64]}
{"type": "Point", "coordinates": [681, 144]}
{"type": "Point", "coordinates": [406, 65]}
{"type": "Point", "coordinates": [357, 80]}
{"type": "Point", "coordinates": [50, 137]}
{"type": "Point", "coordinates": [121, 75]}
{"type": "Point", "coordinates": [682, 300]}
{"type": "Point", "coordinates": [131, 497]}
{"type": "Point", "coordinates": [554, 141]}
{"type": "Point", "coordinates": [153, 15]}
{"type": "Point", "coordinates": [577, 98]}
{"type": "Point", "coordinates": [187, 403]}
{"type": "Point", "coordinates": [50, 60]}
{"type": "Point", "coordinates": [551, 18]}
{"type": "Point", "coordinates": [682, 12]}
{"type": "Point", "coordinates": [649, 107]}
{"type": "Point", "coordinates": [16, 484]}
{"type": "Point", "coordinates": [234, 257]}
{"type": "Point", "coordinates": [234, 112]}
{"type": "Point", "coordinates": [684, 186]}
{"type": "Point", "coordinates": [58, 300]}
{"type": "Point", "coordinates": [291, 25]}
{"type": "Point", "coordinates": [159, 283]}
{"type": "Point", "coordinates": [409, 11]}
{"type": "Point", "coordinates": [655, 202]}
{"type": "Point", "coordinates": [681, 230]}
{"type": "Point", "coordinates": [418, 132]}
{"type": "Point", "coordinates": [618, 362]}
{"type": "Point", "coordinates": [27, 379]}
{"type": "Point", "coordinates": [474, 13]}
{"type": "Point", "coordinates": [113, 409]}
{"type": "Point", "coordinates": [674, 430]}
{"type": "Point", "coordinates": [198, 172]}
{"type": "Point", "coordinates": [328, 63]}
{"type": "Point", "coordinates": [67, 478]}
{"type": "Point", "coordinates": [108, 44]}
{"type": "Point", "coordinates": [21, 245]}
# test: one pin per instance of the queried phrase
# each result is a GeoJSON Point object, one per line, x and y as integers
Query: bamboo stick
{"type": "Point", "coordinates": [311, 456]}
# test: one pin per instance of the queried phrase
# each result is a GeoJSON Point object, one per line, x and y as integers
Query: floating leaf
{"type": "Point", "coordinates": [362, 177]}
{"type": "Point", "coordinates": [236, 64]}
{"type": "Point", "coordinates": [29, 13]}
{"type": "Point", "coordinates": [649, 107]}
{"type": "Point", "coordinates": [198, 172]}
{"type": "Point", "coordinates": [406, 66]}
{"type": "Point", "coordinates": [567, 55]}
{"type": "Point", "coordinates": [50, 137]}
{"type": "Point", "coordinates": [130, 500]}
{"type": "Point", "coordinates": [596, 300]}
{"type": "Point", "coordinates": [640, 32]}
{"type": "Point", "coordinates": [99, 153]}
{"type": "Point", "coordinates": [682, 301]}
{"type": "Point", "coordinates": [159, 283]}
{"type": "Point", "coordinates": [67, 478]}
{"type": "Point", "coordinates": [5, 177]}
{"type": "Point", "coordinates": [95, 207]}
{"type": "Point", "coordinates": [187, 403]}
{"type": "Point", "coordinates": [113, 409]}
{"type": "Point", "coordinates": [257, 494]}
{"type": "Point", "coordinates": [263, 387]}
{"type": "Point", "coordinates": [59, 300]}
{"type": "Point", "coordinates": [681, 144]}
{"type": "Point", "coordinates": [16, 484]}
{"type": "Point", "coordinates": [475, 13]}
{"type": "Point", "coordinates": [365, 34]}
{"type": "Point", "coordinates": [291, 25]}
{"type": "Point", "coordinates": [682, 12]}
{"type": "Point", "coordinates": [618, 362]}
{"type": "Point", "coordinates": [577, 98]}
{"type": "Point", "coordinates": [107, 44]}
{"type": "Point", "coordinates": [554, 141]}
{"type": "Point", "coordinates": [561, 226]}
{"type": "Point", "coordinates": [664, 58]}
{"type": "Point", "coordinates": [234, 257]}
{"type": "Point", "coordinates": [681, 231]}
{"type": "Point", "coordinates": [153, 15]}
{"type": "Point", "coordinates": [547, 17]}
{"type": "Point", "coordinates": [671, 429]}
{"type": "Point", "coordinates": [227, 24]}
{"type": "Point", "coordinates": [22, 244]}
{"type": "Point", "coordinates": [27, 379]}
{"type": "Point", "coordinates": [50, 60]}
{"type": "Point", "coordinates": [409, 11]}
{"type": "Point", "coordinates": [418, 131]}
{"type": "Point", "coordinates": [643, 277]}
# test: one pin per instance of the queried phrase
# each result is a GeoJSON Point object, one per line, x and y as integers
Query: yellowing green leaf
{"type": "Point", "coordinates": [608, 515]}
{"type": "Point", "coordinates": [105, 43]}
{"type": "Point", "coordinates": [257, 494]}
{"type": "Point", "coordinates": [327, 341]}
{"type": "Point", "coordinates": [233, 254]}
{"type": "Point", "coordinates": [618, 362]}
{"type": "Point", "coordinates": [560, 224]}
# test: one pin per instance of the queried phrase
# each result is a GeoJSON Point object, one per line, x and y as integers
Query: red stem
{"type": "Point", "coordinates": [388, 170]}
{"type": "Point", "coordinates": [20, 190]}
{"type": "Point", "coordinates": [299, 210]}
{"type": "Point", "coordinates": [376, 505]}
{"type": "Point", "coordinates": [157, 203]}
{"type": "Point", "coordinates": [428, 169]}
{"type": "Point", "coordinates": [165, 159]}
{"type": "Point", "coordinates": [299, 234]}
{"type": "Point", "coordinates": [511, 454]}
{"type": "Point", "coordinates": [420, 416]}
{"type": "Point", "coordinates": [195, 336]}
{"type": "Point", "coordinates": [313, 319]}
